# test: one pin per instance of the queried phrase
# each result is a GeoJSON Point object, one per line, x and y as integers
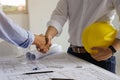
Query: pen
{"type": "Point", "coordinates": [60, 79]}
{"type": "Point", "coordinates": [37, 72]}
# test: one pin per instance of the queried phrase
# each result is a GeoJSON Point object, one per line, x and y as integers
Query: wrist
{"type": "Point", "coordinates": [49, 36]}
{"type": "Point", "coordinates": [51, 32]}
{"type": "Point", "coordinates": [112, 49]}
{"type": "Point", "coordinates": [35, 38]}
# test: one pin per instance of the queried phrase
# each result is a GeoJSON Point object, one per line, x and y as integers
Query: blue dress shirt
{"type": "Point", "coordinates": [12, 33]}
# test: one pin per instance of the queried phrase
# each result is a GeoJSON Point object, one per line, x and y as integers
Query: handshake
{"type": "Point", "coordinates": [42, 42]}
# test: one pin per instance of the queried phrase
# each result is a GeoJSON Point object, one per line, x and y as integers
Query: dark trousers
{"type": "Point", "coordinates": [109, 64]}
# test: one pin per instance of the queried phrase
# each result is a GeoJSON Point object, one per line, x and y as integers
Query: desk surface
{"type": "Point", "coordinates": [63, 66]}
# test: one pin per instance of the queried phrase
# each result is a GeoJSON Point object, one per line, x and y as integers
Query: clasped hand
{"type": "Point", "coordinates": [42, 43]}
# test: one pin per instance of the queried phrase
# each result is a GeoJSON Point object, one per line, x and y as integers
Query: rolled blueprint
{"type": "Point", "coordinates": [33, 55]}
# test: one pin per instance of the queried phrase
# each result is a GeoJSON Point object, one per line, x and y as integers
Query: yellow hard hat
{"type": "Point", "coordinates": [99, 34]}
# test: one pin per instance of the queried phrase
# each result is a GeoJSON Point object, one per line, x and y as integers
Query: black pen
{"type": "Point", "coordinates": [61, 79]}
{"type": "Point", "coordinates": [40, 72]}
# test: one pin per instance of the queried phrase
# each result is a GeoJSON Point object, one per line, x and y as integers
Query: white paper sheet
{"type": "Point", "coordinates": [63, 65]}
{"type": "Point", "coordinates": [33, 55]}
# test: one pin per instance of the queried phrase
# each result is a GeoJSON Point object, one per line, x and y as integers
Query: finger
{"type": "Point", "coordinates": [41, 50]}
{"type": "Point", "coordinates": [98, 50]}
{"type": "Point", "coordinates": [38, 49]}
{"type": "Point", "coordinates": [48, 41]}
{"type": "Point", "coordinates": [45, 50]}
{"type": "Point", "coordinates": [100, 57]}
{"type": "Point", "coordinates": [97, 58]}
{"type": "Point", "coordinates": [41, 35]}
{"type": "Point", "coordinates": [95, 48]}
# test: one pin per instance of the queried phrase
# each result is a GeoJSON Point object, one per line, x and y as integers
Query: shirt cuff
{"type": "Point", "coordinates": [28, 42]}
{"type": "Point", "coordinates": [56, 25]}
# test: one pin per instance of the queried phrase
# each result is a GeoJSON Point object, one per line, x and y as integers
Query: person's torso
{"type": "Point", "coordinates": [85, 12]}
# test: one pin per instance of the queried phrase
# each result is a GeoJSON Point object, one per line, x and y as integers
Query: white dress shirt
{"type": "Point", "coordinates": [80, 14]}
{"type": "Point", "coordinates": [13, 33]}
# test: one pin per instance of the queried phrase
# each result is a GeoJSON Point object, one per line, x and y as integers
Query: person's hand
{"type": "Point", "coordinates": [40, 42]}
{"type": "Point", "coordinates": [103, 53]}
{"type": "Point", "coordinates": [48, 40]}
{"type": "Point", "coordinates": [46, 43]}
{"type": "Point", "coordinates": [50, 34]}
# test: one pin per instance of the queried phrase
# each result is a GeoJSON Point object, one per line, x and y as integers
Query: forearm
{"type": "Point", "coordinates": [104, 53]}
{"type": "Point", "coordinates": [51, 32]}
{"type": "Point", "coordinates": [116, 44]}
{"type": "Point", "coordinates": [13, 33]}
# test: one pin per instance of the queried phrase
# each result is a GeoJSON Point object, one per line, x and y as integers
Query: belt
{"type": "Point", "coordinates": [78, 49]}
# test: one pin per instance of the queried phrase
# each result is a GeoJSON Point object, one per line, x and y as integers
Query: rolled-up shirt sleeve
{"type": "Point", "coordinates": [116, 4]}
{"type": "Point", "coordinates": [13, 33]}
{"type": "Point", "coordinates": [59, 16]}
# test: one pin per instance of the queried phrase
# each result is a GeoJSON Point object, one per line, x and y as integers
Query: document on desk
{"type": "Point", "coordinates": [57, 66]}
{"type": "Point", "coordinates": [34, 54]}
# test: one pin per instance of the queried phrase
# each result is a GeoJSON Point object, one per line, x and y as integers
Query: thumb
{"type": "Point", "coordinates": [95, 50]}
{"type": "Point", "coordinates": [48, 41]}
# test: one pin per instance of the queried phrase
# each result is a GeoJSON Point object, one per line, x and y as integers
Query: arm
{"type": "Point", "coordinates": [13, 33]}
{"type": "Point", "coordinates": [105, 53]}
{"type": "Point", "coordinates": [16, 35]}
{"type": "Point", "coordinates": [116, 44]}
{"type": "Point", "coordinates": [59, 16]}
{"type": "Point", "coordinates": [50, 34]}
{"type": "Point", "coordinates": [58, 19]}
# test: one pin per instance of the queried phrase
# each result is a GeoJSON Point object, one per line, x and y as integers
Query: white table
{"type": "Point", "coordinates": [63, 65]}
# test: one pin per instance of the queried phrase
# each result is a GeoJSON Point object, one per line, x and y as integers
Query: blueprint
{"type": "Point", "coordinates": [62, 65]}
